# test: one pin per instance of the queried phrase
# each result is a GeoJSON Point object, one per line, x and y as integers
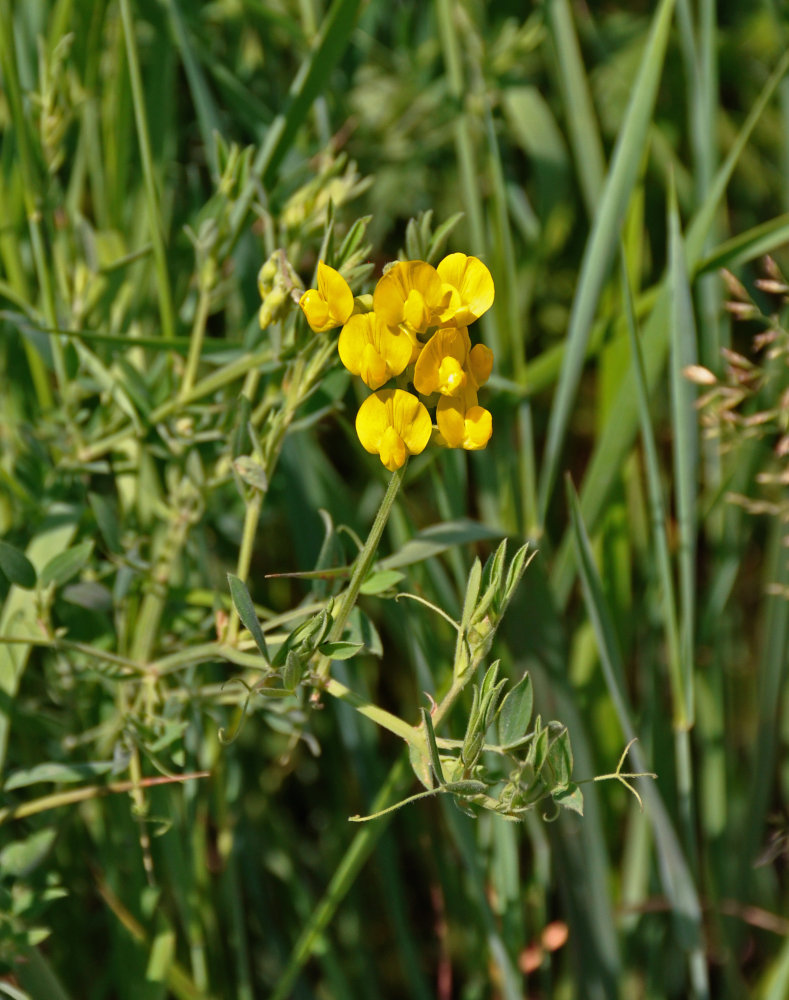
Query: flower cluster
{"type": "Point", "coordinates": [415, 335]}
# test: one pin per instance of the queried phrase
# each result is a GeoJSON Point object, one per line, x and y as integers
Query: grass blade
{"type": "Point", "coordinates": [584, 134]}
{"type": "Point", "coordinates": [686, 451]}
{"type": "Point", "coordinates": [166, 310]}
{"type": "Point", "coordinates": [602, 243]}
{"type": "Point", "coordinates": [678, 883]}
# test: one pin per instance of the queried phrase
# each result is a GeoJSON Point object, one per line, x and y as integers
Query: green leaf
{"type": "Point", "coordinates": [438, 538]}
{"type": "Point", "coordinates": [107, 521]}
{"type": "Point", "coordinates": [420, 764]}
{"type": "Point", "coordinates": [560, 759]}
{"type": "Point", "coordinates": [252, 472]}
{"type": "Point", "coordinates": [378, 582]}
{"type": "Point", "coordinates": [58, 773]}
{"type": "Point", "coordinates": [340, 650]}
{"type": "Point", "coordinates": [516, 571]}
{"type": "Point", "coordinates": [571, 798]}
{"type": "Point", "coordinates": [62, 567]}
{"type": "Point", "coordinates": [440, 237]}
{"type": "Point", "coordinates": [16, 566]}
{"type": "Point", "coordinates": [472, 592]}
{"type": "Point", "coordinates": [246, 612]}
{"type": "Point", "coordinates": [432, 746]}
{"type": "Point", "coordinates": [516, 712]}
{"type": "Point", "coordinates": [89, 594]}
{"type": "Point", "coordinates": [22, 856]}
{"type": "Point", "coordinates": [538, 751]}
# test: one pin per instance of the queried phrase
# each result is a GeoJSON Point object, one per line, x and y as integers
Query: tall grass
{"type": "Point", "coordinates": [164, 829]}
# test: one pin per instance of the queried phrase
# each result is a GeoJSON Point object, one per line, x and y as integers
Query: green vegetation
{"type": "Point", "coordinates": [226, 630]}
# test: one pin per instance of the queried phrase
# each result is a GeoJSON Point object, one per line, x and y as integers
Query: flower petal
{"type": "Point", "coordinates": [478, 427]}
{"type": "Point", "coordinates": [336, 291]}
{"type": "Point", "coordinates": [431, 373]}
{"type": "Point", "coordinates": [316, 309]}
{"type": "Point", "coordinates": [372, 421]}
{"type": "Point", "coordinates": [462, 422]}
{"type": "Point", "coordinates": [480, 361]}
{"type": "Point", "coordinates": [473, 281]}
{"type": "Point", "coordinates": [412, 421]}
{"type": "Point", "coordinates": [394, 299]}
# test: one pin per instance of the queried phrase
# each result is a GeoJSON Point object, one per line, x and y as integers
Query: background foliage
{"type": "Point", "coordinates": [608, 160]}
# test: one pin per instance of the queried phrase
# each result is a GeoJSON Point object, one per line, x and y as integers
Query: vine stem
{"type": "Point", "coordinates": [361, 567]}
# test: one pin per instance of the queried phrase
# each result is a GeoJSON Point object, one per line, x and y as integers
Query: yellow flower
{"type": "Point", "coordinates": [480, 361]}
{"type": "Point", "coordinates": [472, 281]}
{"type": "Point", "coordinates": [393, 424]}
{"type": "Point", "coordinates": [370, 348]}
{"type": "Point", "coordinates": [331, 303]}
{"type": "Point", "coordinates": [441, 365]}
{"type": "Point", "coordinates": [411, 292]}
{"type": "Point", "coordinates": [462, 422]}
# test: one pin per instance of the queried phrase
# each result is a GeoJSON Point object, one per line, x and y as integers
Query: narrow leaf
{"type": "Point", "coordinates": [246, 612]}
{"type": "Point", "coordinates": [340, 650]}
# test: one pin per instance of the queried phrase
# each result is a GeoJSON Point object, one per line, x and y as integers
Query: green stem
{"type": "Point", "coordinates": [196, 341]}
{"type": "Point", "coordinates": [154, 218]}
{"type": "Point", "coordinates": [361, 566]}
{"type": "Point", "coordinates": [251, 518]}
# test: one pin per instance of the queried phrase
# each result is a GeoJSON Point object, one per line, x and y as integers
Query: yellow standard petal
{"type": "Point", "coordinates": [331, 303]}
{"type": "Point", "coordinates": [474, 284]}
{"type": "Point", "coordinates": [373, 350]}
{"type": "Point", "coordinates": [393, 424]}
{"type": "Point", "coordinates": [410, 292]}
{"type": "Point", "coordinates": [441, 367]}
{"type": "Point", "coordinates": [462, 422]}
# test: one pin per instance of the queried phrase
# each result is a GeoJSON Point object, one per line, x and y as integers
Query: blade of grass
{"type": "Point", "coordinates": [31, 192]}
{"type": "Point", "coordinates": [582, 127]}
{"type": "Point", "coordinates": [772, 674]}
{"type": "Point", "coordinates": [344, 876]}
{"type": "Point", "coordinates": [602, 243]}
{"type": "Point", "coordinates": [207, 111]}
{"type": "Point", "coordinates": [684, 422]}
{"type": "Point", "coordinates": [655, 491]}
{"type": "Point", "coordinates": [166, 311]}
{"type": "Point", "coordinates": [616, 439]}
{"type": "Point", "coordinates": [464, 144]}
{"type": "Point", "coordinates": [676, 877]}
{"type": "Point", "coordinates": [460, 828]}
{"type": "Point", "coordinates": [534, 629]}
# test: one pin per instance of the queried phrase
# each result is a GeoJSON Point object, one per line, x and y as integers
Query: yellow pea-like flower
{"type": "Point", "coordinates": [331, 303]}
{"type": "Point", "coordinates": [373, 350]}
{"type": "Point", "coordinates": [410, 292]}
{"type": "Point", "coordinates": [393, 424]}
{"type": "Point", "coordinates": [441, 367]}
{"type": "Point", "coordinates": [472, 281]}
{"type": "Point", "coordinates": [462, 422]}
